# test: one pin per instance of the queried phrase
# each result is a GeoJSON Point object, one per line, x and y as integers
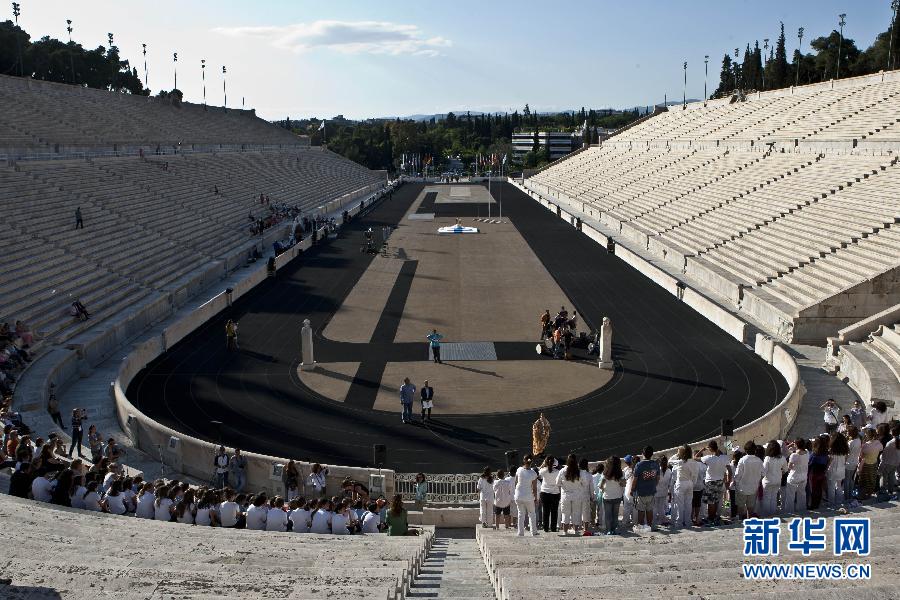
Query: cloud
{"type": "Point", "coordinates": [347, 37]}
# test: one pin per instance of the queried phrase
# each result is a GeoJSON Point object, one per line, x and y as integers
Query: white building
{"type": "Point", "coordinates": [560, 142]}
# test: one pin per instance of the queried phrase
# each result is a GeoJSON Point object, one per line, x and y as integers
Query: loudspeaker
{"type": "Point", "coordinates": [379, 455]}
{"type": "Point", "coordinates": [727, 428]}
{"type": "Point", "coordinates": [513, 461]}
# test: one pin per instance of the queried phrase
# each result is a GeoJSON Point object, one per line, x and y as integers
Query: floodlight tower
{"type": "Point", "coordinates": [735, 68]}
{"type": "Point", "coordinates": [71, 59]}
{"type": "Point", "coordinates": [175, 66]}
{"type": "Point", "coordinates": [799, 54]}
{"type": "Point", "coordinates": [145, 66]}
{"type": "Point", "coordinates": [766, 59]}
{"type": "Point", "coordinates": [17, 10]}
{"type": "Point", "coordinates": [684, 89]}
{"type": "Point", "coordinates": [706, 75]}
{"type": "Point", "coordinates": [841, 22]}
{"type": "Point", "coordinates": [224, 89]}
{"type": "Point", "coordinates": [895, 4]}
{"type": "Point", "coordinates": [203, 75]}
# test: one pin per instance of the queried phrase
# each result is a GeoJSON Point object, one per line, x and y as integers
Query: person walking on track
{"type": "Point", "coordinates": [434, 340]}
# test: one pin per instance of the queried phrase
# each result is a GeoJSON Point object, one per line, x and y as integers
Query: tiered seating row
{"type": "Point", "coordinates": [147, 223]}
{"type": "Point", "coordinates": [38, 114]}
{"type": "Point", "coordinates": [867, 110]}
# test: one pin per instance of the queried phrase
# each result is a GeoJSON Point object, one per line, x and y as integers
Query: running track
{"type": "Point", "coordinates": [676, 375]}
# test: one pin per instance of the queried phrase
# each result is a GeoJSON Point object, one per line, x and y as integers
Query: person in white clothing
{"type": "Point", "coordinates": [627, 498]}
{"type": "Point", "coordinates": [878, 414]}
{"type": "Point", "coordinates": [165, 503]}
{"type": "Point", "coordinates": [854, 450]}
{"type": "Point", "coordinates": [371, 519]}
{"type": "Point", "coordinates": [612, 486]}
{"type": "Point", "coordinates": [276, 518]}
{"type": "Point", "coordinates": [257, 513]}
{"type": "Point", "coordinates": [836, 470]}
{"type": "Point", "coordinates": [747, 476]}
{"type": "Point", "coordinates": [573, 496]}
{"type": "Point", "coordinates": [663, 491]}
{"type": "Point", "coordinates": [503, 492]}
{"type": "Point", "coordinates": [299, 516]}
{"type": "Point", "coordinates": [587, 502]}
{"type": "Point", "coordinates": [684, 471]}
{"type": "Point", "coordinates": [774, 465]}
{"type": "Point", "coordinates": [114, 502]}
{"type": "Point", "coordinates": [549, 494]}
{"type": "Point", "coordinates": [714, 482]}
{"type": "Point", "coordinates": [41, 488]}
{"type": "Point", "coordinates": [77, 498]}
{"type": "Point", "coordinates": [321, 517]}
{"type": "Point", "coordinates": [229, 510]}
{"type": "Point", "coordinates": [341, 519]}
{"type": "Point", "coordinates": [92, 497]}
{"type": "Point", "coordinates": [524, 495]}
{"type": "Point", "coordinates": [486, 497]}
{"type": "Point", "coordinates": [798, 470]}
{"type": "Point", "coordinates": [186, 508]}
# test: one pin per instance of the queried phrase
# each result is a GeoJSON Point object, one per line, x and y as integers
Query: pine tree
{"type": "Point", "coordinates": [726, 79]}
{"type": "Point", "coordinates": [778, 75]}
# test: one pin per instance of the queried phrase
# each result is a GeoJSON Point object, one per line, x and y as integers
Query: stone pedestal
{"type": "Point", "coordinates": [606, 361]}
{"type": "Point", "coordinates": [306, 347]}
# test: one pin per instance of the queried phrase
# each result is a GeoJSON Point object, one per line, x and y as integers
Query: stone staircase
{"type": "Point", "coordinates": [681, 565]}
{"type": "Point", "coordinates": [453, 568]}
{"type": "Point", "coordinates": [79, 555]}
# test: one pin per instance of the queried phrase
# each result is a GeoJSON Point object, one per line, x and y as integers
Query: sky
{"type": "Point", "coordinates": [377, 58]}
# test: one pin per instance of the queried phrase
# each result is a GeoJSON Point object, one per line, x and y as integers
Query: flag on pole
{"type": "Point", "coordinates": [322, 126]}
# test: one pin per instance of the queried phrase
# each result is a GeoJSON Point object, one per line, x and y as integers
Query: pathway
{"type": "Point", "coordinates": [454, 568]}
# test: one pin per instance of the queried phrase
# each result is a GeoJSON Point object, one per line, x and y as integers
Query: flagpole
{"type": "Point", "coordinates": [501, 191]}
{"type": "Point", "coordinates": [490, 197]}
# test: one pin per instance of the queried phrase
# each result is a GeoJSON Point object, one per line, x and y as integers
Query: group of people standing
{"type": "Point", "coordinates": [690, 488]}
{"type": "Point", "coordinates": [407, 397]}
{"type": "Point", "coordinates": [561, 330]}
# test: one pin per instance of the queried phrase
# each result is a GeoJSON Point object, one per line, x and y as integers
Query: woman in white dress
{"type": "Point", "coordinates": [486, 497]}
{"type": "Point", "coordinates": [570, 483]}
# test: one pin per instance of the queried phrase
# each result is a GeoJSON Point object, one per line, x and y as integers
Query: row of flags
{"type": "Point", "coordinates": [417, 161]}
{"type": "Point", "coordinates": [483, 161]}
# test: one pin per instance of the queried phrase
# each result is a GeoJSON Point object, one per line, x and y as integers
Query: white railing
{"type": "Point", "coordinates": [445, 488]}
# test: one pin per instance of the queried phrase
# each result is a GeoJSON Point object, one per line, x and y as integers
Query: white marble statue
{"type": "Point", "coordinates": [606, 361]}
{"type": "Point", "coordinates": [306, 347]}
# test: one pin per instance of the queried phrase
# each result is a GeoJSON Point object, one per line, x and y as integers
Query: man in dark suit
{"type": "Point", "coordinates": [427, 403]}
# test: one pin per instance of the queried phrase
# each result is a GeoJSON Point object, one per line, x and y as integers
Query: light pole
{"type": "Point", "coordinates": [113, 67]}
{"type": "Point", "coordinates": [735, 68]}
{"type": "Point", "coordinates": [766, 59]}
{"type": "Point", "coordinates": [203, 75]}
{"type": "Point", "coordinates": [684, 89]}
{"type": "Point", "coordinates": [17, 10]}
{"type": "Point", "coordinates": [706, 75]}
{"type": "Point", "coordinates": [799, 55]}
{"type": "Point", "coordinates": [895, 4]}
{"type": "Point", "coordinates": [71, 59]}
{"type": "Point", "coordinates": [145, 66]}
{"type": "Point", "coordinates": [224, 89]}
{"type": "Point", "coordinates": [841, 23]}
{"type": "Point", "coordinates": [175, 67]}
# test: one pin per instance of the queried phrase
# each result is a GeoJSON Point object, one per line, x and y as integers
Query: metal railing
{"type": "Point", "coordinates": [449, 488]}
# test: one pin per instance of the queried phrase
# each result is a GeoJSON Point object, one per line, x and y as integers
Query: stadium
{"type": "Point", "coordinates": [602, 375]}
